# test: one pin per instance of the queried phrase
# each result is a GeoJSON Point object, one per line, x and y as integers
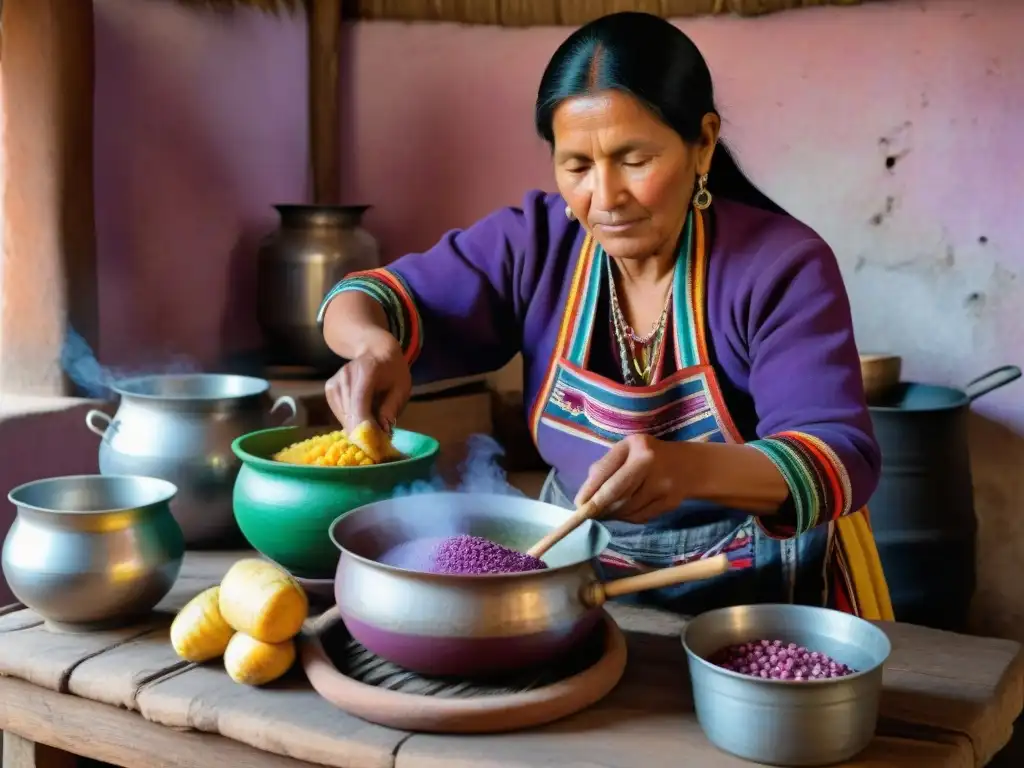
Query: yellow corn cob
{"type": "Point", "coordinates": [331, 450]}
{"type": "Point", "coordinates": [199, 632]}
{"type": "Point", "coordinates": [263, 601]}
{"type": "Point", "coordinates": [374, 442]}
{"type": "Point", "coordinates": [252, 662]}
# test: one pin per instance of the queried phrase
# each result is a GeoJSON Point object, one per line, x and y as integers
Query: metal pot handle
{"type": "Point", "coordinates": [92, 417]}
{"type": "Point", "coordinates": [289, 402]}
{"type": "Point", "coordinates": [597, 593]}
{"type": "Point", "coordinates": [994, 379]}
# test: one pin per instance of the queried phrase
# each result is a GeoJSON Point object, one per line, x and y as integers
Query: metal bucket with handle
{"type": "Point", "coordinates": [922, 513]}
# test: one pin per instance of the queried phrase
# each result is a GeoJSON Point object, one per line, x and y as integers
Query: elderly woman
{"type": "Point", "coordinates": [688, 347]}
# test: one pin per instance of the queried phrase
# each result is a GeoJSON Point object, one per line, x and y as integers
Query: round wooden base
{"type": "Point", "coordinates": [351, 678]}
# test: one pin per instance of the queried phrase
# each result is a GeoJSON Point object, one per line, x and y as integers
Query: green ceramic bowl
{"type": "Point", "coordinates": [285, 510]}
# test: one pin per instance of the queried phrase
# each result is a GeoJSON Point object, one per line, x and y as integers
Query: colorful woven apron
{"type": "Point", "coordinates": [688, 405]}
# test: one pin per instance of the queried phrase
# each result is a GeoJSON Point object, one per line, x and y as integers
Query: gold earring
{"type": "Point", "coordinates": [702, 198]}
{"type": "Point", "coordinates": [569, 214]}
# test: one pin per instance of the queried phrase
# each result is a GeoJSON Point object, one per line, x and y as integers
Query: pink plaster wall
{"type": "Point", "coordinates": [201, 125]}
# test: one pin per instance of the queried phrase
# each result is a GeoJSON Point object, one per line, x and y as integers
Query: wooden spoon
{"type": "Point", "coordinates": [598, 593]}
{"type": "Point", "coordinates": [587, 511]}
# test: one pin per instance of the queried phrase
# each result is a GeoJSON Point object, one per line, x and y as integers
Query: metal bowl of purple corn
{"type": "Point", "coordinates": [791, 685]}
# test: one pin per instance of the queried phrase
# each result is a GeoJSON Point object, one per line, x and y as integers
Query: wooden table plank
{"type": "Point", "coordinates": [116, 676]}
{"type": "Point", "coordinates": [936, 683]}
{"type": "Point", "coordinates": [647, 720]}
{"type": "Point", "coordinates": [32, 652]}
{"type": "Point", "coordinates": [211, 566]}
{"type": "Point", "coordinates": [957, 683]}
{"type": "Point", "coordinates": [46, 659]}
{"type": "Point", "coordinates": [950, 700]}
{"type": "Point", "coordinates": [19, 618]}
{"type": "Point", "coordinates": [118, 737]}
{"type": "Point", "coordinates": [287, 718]}
{"type": "Point", "coordinates": [617, 744]}
{"type": "Point", "coordinates": [284, 718]}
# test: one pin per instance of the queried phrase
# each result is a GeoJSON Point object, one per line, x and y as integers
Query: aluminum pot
{"type": "Point", "coordinates": [784, 722]}
{"type": "Point", "coordinates": [474, 626]}
{"type": "Point", "coordinates": [92, 551]}
{"type": "Point", "coordinates": [180, 428]}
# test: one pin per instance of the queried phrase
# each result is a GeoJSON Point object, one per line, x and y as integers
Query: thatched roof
{"type": "Point", "coordinates": [523, 13]}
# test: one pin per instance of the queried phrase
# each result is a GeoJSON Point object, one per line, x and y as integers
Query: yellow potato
{"type": "Point", "coordinates": [199, 632]}
{"type": "Point", "coordinates": [252, 662]}
{"type": "Point", "coordinates": [263, 601]}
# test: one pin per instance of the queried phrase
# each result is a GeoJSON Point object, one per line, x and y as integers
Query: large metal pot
{"type": "Point", "coordinates": [922, 512]}
{"type": "Point", "coordinates": [180, 428]}
{"type": "Point", "coordinates": [313, 247]}
{"type": "Point", "coordinates": [92, 551]}
{"type": "Point", "coordinates": [475, 625]}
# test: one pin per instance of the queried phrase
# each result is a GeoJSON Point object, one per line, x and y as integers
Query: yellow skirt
{"type": "Point", "coordinates": [859, 584]}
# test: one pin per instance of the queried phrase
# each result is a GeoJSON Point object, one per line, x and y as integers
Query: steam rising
{"type": "Point", "coordinates": [479, 472]}
{"type": "Point", "coordinates": [79, 362]}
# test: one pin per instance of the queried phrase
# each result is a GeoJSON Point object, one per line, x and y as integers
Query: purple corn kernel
{"type": "Point", "coordinates": [776, 660]}
{"type": "Point", "coordinates": [473, 555]}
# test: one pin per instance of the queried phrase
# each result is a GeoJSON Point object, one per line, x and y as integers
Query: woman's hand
{"type": "Point", "coordinates": [642, 477]}
{"type": "Point", "coordinates": [375, 385]}
{"type": "Point", "coordinates": [639, 478]}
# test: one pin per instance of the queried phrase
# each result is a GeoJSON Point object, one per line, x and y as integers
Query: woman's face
{"type": "Point", "coordinates": [627, 176]}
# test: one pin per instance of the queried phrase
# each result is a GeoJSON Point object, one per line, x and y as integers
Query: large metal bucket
{"type": "Point", "coordinates": [922, 513]}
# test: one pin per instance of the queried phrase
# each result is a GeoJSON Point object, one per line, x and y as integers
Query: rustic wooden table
{"type": "Point", "coordinates": [122, 697]}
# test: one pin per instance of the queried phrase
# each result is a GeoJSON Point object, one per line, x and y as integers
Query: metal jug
{"type": "Point", "coordinates": [313, 247]}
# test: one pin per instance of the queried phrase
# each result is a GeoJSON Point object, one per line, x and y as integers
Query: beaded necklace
{"type": "Point", "coordinates": [639, 356]}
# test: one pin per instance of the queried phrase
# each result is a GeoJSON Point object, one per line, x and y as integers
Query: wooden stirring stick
{"type": "Point", "coordinates": [587, 511]}
{"type": "Point", "coordinates": [597, 593]}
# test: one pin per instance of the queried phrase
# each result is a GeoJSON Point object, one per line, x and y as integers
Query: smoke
{"type": "Point", "coordinates": [479, 472]}
{"type": "Point", "coordinates": [81, 366]}
{"type": "Point", "coordinates": [94, 380]}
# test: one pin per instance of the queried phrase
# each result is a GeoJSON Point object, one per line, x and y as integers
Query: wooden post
{"type": "Point", "coordinates": [22, 753]}
{"type": "Point", "coordinates": [324, 100]}
{"type": "Point", "coordinates": [49, 268]}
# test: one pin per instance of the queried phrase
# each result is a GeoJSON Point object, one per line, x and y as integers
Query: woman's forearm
{"type": "Point", "coordinates": [355, 324]}
{"type": "Point", "coordinates": [735, 476]}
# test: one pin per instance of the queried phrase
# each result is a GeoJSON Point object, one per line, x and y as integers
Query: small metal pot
{"type": "Point", "coordinates": [783, 722]}
{"type": "Point", "coordinates": [475, 625]}
{"type": "Point", "coordinates": [92, 551]}
{"type": "Point", "coordinates": [180, 428]}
